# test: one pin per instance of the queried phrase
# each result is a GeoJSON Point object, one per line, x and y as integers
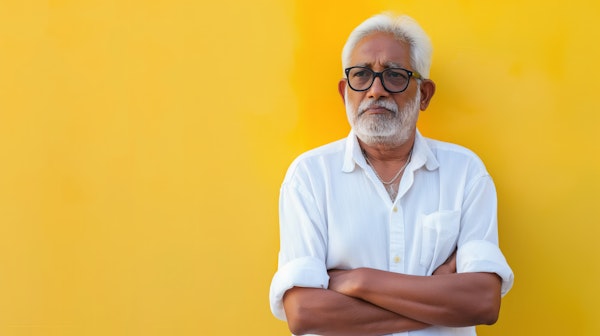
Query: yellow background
{"type": "Point", "coordinates": [142, 144]}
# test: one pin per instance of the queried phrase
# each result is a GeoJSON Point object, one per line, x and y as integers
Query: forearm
{"type": "Point", "coordinates": [325, 312]}
{"type": "Point", "coordinates": [461, 299]}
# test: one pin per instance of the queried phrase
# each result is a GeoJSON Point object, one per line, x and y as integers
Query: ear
{"type": "Point", "coordinates": [342, 89]}
{"type": "Point", "coordinates": [427, 91]}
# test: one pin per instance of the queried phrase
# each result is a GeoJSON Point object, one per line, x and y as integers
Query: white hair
{"type": "Point", "coordinates": [403, 28]}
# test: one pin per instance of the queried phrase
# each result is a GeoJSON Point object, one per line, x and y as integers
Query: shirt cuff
{"type": "Point", "coordinates": [302, 272]}
{"type": "Point", "coordinates": [483, 256]}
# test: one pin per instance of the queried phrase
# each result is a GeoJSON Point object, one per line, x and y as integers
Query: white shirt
{"type": "Point", "coordinates": [336, 214]}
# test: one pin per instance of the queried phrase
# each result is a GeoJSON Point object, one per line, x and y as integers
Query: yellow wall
{"type": "Point", "coordinates": [143, 144]}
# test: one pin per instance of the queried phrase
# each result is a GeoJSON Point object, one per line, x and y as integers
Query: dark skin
{"type": "Point", "coordinates": [453, 300]}
{"type": "Point", "coordinates": [367, 301]}
{"type": "Point", "coordinates": [328, 312]}
{"type": "Point", "coordinates": [344, 308]}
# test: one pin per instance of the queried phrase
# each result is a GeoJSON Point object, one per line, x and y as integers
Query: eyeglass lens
{"type": "Point", "coordinates": [394, 80]}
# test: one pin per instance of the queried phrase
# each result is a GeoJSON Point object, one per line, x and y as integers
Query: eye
{"type": "Point", "coordinates": [393, 74]}
{"type": "Point", "coordinates": [361, 73]}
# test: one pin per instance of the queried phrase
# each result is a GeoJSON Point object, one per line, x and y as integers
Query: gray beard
{"type": "Point", "coordinates": [392, 129]}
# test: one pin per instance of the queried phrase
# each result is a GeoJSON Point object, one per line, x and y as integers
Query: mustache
{"type": "Point", "coordinates": [389, 105]}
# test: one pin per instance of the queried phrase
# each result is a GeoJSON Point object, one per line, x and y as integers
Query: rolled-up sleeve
{"type": "Point", "coordinates": [301, 272]}
{"type": "Point", "coordinates": [303, 233]}
{"type": "Point", "coordinates": [484, 256]}
{"type": "Point", "coordinates": [478, 248]}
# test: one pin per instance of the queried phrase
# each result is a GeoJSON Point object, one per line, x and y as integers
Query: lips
{"type": "Point", "coordinates": [375, 109]}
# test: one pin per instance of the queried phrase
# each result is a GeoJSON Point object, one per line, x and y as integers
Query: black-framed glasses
{"type": "Point", "coordinates": [394, 80]}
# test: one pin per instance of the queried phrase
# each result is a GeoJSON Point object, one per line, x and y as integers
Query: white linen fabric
{"type": "Point", "coordinates": [336, 214]}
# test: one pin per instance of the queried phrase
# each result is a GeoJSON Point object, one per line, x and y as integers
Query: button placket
{"type": "Point", "coordinates": [396, 239]}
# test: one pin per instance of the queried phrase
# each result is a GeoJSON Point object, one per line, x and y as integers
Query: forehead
{"type": "Point", "coordinates": [380, 50]}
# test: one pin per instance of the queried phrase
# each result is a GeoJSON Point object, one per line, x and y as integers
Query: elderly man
{"type": "Point", "coordinates": [386, 231]}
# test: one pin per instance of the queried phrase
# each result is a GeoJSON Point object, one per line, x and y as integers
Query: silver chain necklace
{"type": "Point", "coordinates": [395, 176]}
{"type": "Point", "coordinates": [389, 187]}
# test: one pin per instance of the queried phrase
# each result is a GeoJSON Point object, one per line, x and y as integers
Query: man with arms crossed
{"type": "Point", "coordinates": [386, 231]}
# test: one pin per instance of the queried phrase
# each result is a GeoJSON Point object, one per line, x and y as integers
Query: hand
{"type": "Point", "coordinates": [448, 267]}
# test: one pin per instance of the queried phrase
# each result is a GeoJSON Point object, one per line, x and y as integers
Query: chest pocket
{"type": "Point", "coordinates": [439, 236]}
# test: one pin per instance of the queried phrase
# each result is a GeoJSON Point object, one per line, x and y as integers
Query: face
{"type": "Point", "coordinates": [377, 116]}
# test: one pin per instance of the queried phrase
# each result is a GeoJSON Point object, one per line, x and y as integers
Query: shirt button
{"type": "Point", "coordinates": [396, 259]}
{"type": "Point", "coordinates": [395, 209]}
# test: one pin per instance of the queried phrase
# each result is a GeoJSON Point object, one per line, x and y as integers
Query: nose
{"type": "Point", "coordinates": [377, 90]}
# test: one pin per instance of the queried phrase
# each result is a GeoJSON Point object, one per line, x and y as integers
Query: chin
{"type": "Point", "coordinates": [387, 140]}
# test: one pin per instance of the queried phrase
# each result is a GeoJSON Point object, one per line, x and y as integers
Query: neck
{"type": "Point", "coordinates": [388, 163]}
{"type": "Point", "coordinates": [388, 153]}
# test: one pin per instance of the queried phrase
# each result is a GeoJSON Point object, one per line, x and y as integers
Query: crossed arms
{"type": "Point", "coordinates": [366, 301]}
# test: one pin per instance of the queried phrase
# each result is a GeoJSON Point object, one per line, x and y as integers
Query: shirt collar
{"type": "Point", "coordinates": [422, 154]}
{"type": "Point", "coordinates": [353, 155]}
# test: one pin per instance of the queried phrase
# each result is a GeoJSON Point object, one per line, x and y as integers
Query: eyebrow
{"type": "Point", "coordinates": [386, 64]}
